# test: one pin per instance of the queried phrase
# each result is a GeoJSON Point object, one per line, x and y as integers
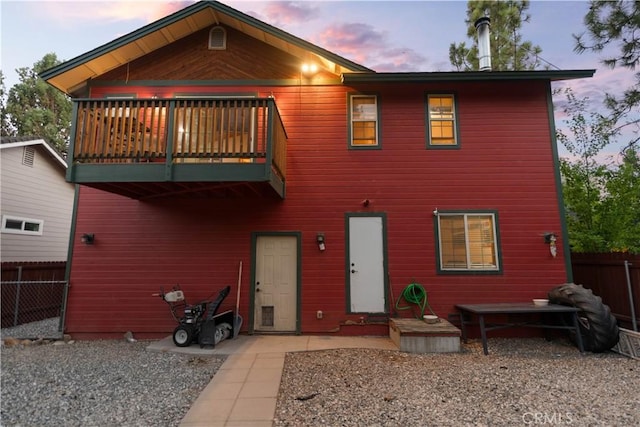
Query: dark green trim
{"type": "Point", "coordinates": [158, 172]}
{"type": "Point", "coordinates": [350, 145]}
{"type": "Point", "coordinates": [553, 75]}
{"type": "Point", "coordinates": [252, 284]}
{"type": "Point", "coordinates": [216, 95]}
{"type": "Point", "coordinates": [347, 261]}
{"type": "Point", "coordinates": [317, 81]}
{"type": "Point", "coordinates": [566, 248]}
{"type": "Point", "coordinates": [456, 122]}
{"type": "Point", "coordinates": [277, 184]}
{"type": "Point", "coordinates": [128, 95]}
{"type": "Point", "coordinates": [185, 13]}
{"type": "Point", "coordinates": [67, 271]}
{"type": "Point", "coordinates": [436, 233]}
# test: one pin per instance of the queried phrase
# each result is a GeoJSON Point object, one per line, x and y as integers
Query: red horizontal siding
{"type": "Point", "coordinates": [504, 163]}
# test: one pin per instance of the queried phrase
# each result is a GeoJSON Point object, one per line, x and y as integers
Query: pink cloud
{"type": "Point", "coordinates": [368, 46]}
{"type": "Point", "coordinates": [398, 60]}
{"type": "Point", "coordinates": [288, 13]}
{"type": "Point", "coordinates": [88, 12]}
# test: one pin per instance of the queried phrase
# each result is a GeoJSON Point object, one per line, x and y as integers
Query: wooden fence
{"type": "Point", "coordinates": [606, 275]}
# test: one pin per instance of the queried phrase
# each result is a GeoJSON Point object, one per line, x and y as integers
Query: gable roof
{"type": "Point", "coordinates": [72, 75]}
{"type": "Point", "coordinates": [24, 141]}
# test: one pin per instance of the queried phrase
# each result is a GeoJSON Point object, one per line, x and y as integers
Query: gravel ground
{"type": "Point", "coordinates": [522, 382]}
{"type": "Point", "coordinates": [99, 383]}
{"type": "Point", "coordinates": [43, 329]}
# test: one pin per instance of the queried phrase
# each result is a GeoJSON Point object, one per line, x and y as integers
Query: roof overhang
{"type": "Point", "coordinates": [470, 76]}
{"type": "Point", "coordinates": [72, 76]}
{"type": "Point", "coordinates": [29, 142]}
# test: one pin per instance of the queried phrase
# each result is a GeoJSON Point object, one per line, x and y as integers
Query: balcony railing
{"type": "Point", "coordinates": [179, 131]}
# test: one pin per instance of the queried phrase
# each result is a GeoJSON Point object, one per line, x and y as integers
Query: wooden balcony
{"type": "Point", "coordinates": [182, 147]}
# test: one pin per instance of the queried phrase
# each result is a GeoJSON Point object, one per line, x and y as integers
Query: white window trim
{"type": "Point", "coordinates": [6, 218]}
{"type": "Point", "coordinates": [470, 266]}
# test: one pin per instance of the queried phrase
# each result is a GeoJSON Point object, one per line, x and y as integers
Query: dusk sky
{"type": "Point", "coordinates": [382, 35]}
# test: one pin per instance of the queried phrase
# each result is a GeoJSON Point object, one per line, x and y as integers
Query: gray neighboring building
{"type": "Point", "coordinates": [36, 201]}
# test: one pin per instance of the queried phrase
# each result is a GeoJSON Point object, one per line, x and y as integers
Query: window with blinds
{"type": "Point", "coordinates": [467, 242]}
{"type": "Point", "coordinates": [363, 117]}
{"type": "Point", "coordinates": [442, 121]}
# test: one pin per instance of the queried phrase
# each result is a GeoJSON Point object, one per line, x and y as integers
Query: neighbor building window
{"type": "Point", "coordinates": [363, 118]}
{"type": "Point", "coordinates": [467, 242]}
{"type": "Point", "coordinates": [16, 225]}
{"type": "Point", "coordinates": [441, 116]}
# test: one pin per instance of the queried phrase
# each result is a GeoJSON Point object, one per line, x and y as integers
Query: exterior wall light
{"type": "Point", "coordinates": [550, 239]}
{"type": "Point", "coordinates": [309, 69]}
{"type": "Point", "coordinates": [87, 238]}
{"type": "Point", "coordinates": [320, 242]}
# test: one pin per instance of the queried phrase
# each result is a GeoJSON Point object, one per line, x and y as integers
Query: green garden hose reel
{"type": "Point", "coordinates": [414, 296]}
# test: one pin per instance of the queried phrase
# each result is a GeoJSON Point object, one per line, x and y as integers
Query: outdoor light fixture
{"type": "Point", "coordinates": [309, 69]}
{"type": "Point", "coordinates": [320, 242]}
{"type": "Point", "coordinates": [550, 239]}
{"type": "Point", "coordinates": [87, 238]}
{"type": "Point", "coordinates": [366, 202]}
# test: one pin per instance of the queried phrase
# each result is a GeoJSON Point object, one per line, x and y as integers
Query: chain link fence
{"type": "Point", "coordinates": [31, 305]}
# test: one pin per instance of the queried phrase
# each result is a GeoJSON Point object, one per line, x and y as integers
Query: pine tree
{"type": "Point", "coordinates": [35, 108]}
{"type": "Point", "coordinates": [508, 51]}
{"type": "Point", "coordinates": [617, 23]}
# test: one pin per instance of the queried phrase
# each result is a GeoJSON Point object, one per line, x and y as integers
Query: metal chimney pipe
{"type": "Point", "coordinates": [484, 46]}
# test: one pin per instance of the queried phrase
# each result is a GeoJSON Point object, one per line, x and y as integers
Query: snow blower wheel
{"type": "Point", "coordinates": [598, 327]}
{"type": "Point", "coordinates": [183, 335]}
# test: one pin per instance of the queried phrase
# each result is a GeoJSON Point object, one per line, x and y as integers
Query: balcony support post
{"type": "Point", "coordinates": [270, 135]}
{"type": "Point", "coordinates": [72, 142]}
{"type": "Point", "coordinates": [168, 171]}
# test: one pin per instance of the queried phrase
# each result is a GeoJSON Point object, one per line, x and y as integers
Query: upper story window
{"type": "Point", "coordinates": [467, 242]}
{"type": "Point", "coordinates": [363, 120]}
{"type": "Point", "coordinates": [17, 225]}
{"type": "Point", "coordinates": [441, 116]}
{"type": "Point", "coordinates": [217, 38]}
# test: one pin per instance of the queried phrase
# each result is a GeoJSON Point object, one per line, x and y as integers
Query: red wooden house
{"type": "Point", "coordinates": [199, 141]}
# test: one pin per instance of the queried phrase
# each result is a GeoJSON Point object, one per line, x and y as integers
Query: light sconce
{"type": "Point", "coordinates": [435, 212]}
{"type": "Point", "coordinates": [366, 203]}
{"type": "Point", "coordinates": [87, 238]}
{"type": "Point", "coordinates": [320, 242]}
{"type": "Point", "coordinates": [550, 239]}
{"type": "Point", "coordinates": [309, 69]}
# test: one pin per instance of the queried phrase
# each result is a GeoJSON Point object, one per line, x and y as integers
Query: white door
{"type": "Point", "coordinates": [366, 264]}
{"type": "Point", "coordinates": [276, 284]}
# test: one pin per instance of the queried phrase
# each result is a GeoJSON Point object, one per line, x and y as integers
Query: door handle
{"type": "Point", "coordinates": [354, 271]}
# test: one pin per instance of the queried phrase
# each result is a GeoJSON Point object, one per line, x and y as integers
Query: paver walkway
{"type": "Point", "coordinates": [244, 391]}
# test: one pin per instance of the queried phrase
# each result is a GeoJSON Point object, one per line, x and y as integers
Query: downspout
{"type": "Point", "coordinates": [566, 249]}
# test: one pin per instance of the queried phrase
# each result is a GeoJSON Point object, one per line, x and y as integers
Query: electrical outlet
{"type": "Point", "coordinates": [319, 314]}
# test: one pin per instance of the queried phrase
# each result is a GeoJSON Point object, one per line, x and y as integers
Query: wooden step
{"type": "Point", "coordinates": [417, 336]}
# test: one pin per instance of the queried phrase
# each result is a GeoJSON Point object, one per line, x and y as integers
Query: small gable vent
{"type": "Point", "coordinates": [217, 38]}
{"type": "Point", "coordinates": [28, 155]}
